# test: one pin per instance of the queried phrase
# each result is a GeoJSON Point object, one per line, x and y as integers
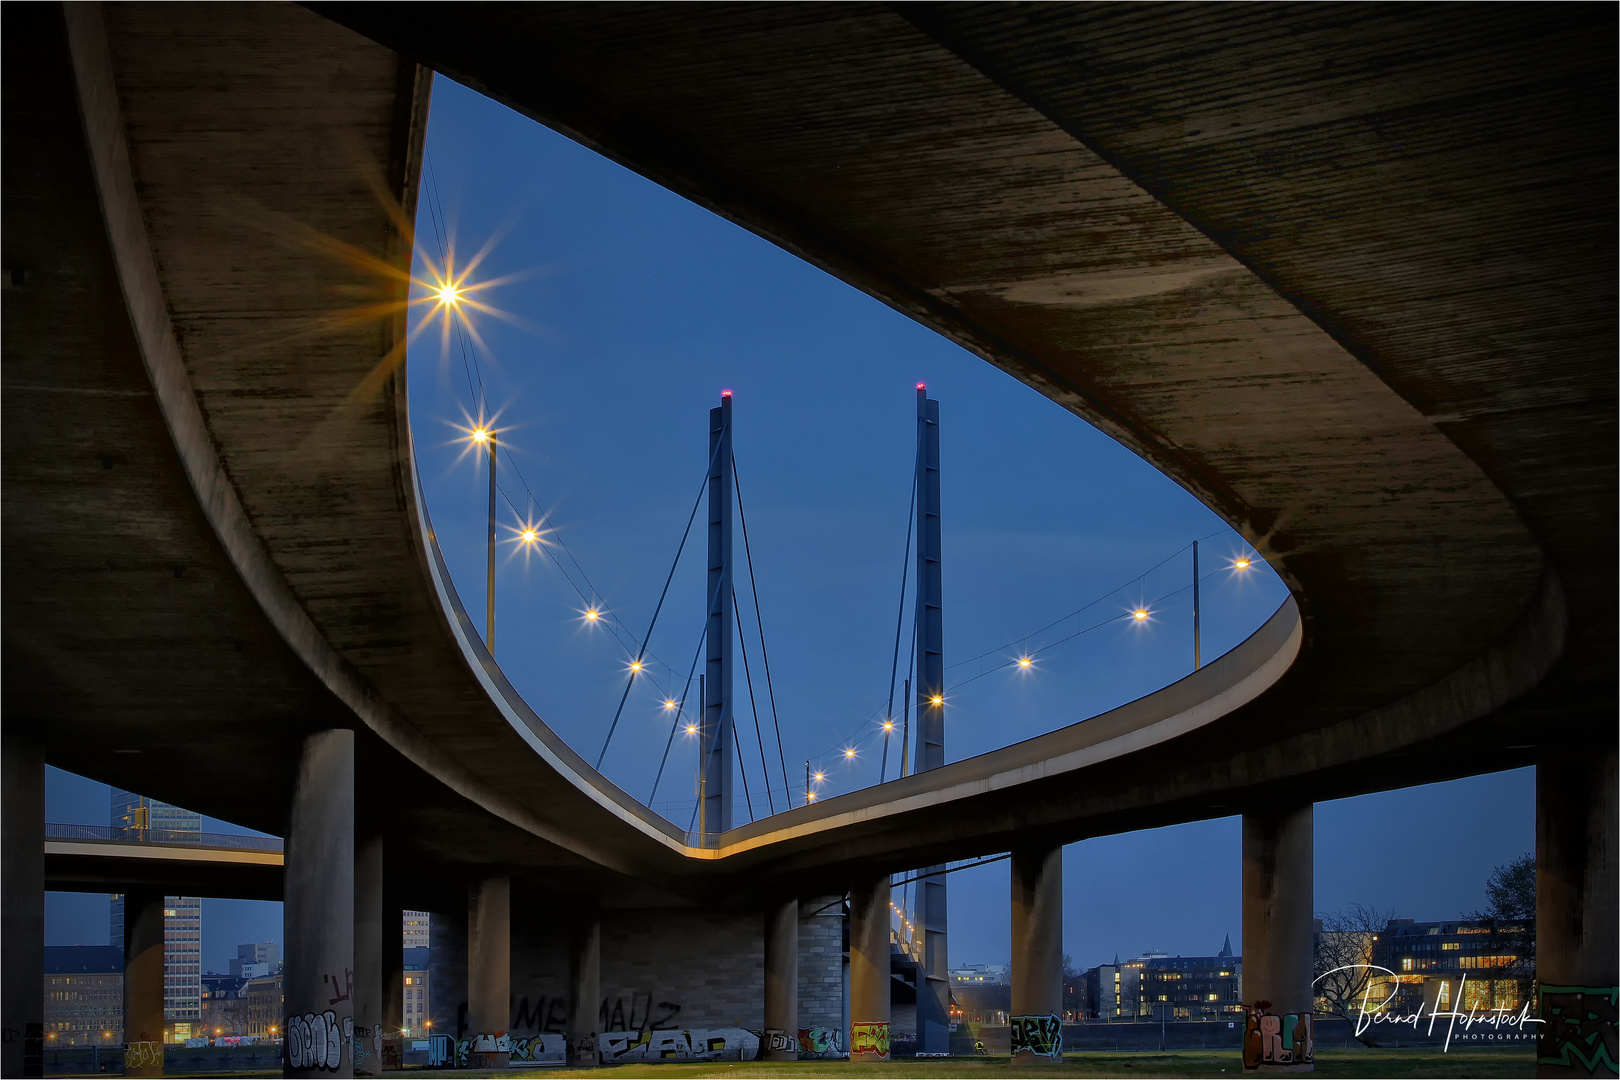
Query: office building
{"type": "Point", "coordinates": [1179, 987]}
{"type": "Point", "coordinates": [255, 960]}
{"type": "Point", "coordinates": [416, 929]}
{"type": "Point", "coordinates": [84, 995]}
{"type": "Point", "coordinates": [1431, 960]}
{"type": "Point", "coordinates": [418, 1012]}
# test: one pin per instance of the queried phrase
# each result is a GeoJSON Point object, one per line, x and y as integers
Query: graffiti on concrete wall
{"type": "Point", "coordinates": [821, 1042]}
{"type": "Point", "coordinates": [143, 1055]}
{"type": "Point", "coordinates": [491, 1042]}
{"type": "Point", "coordinates": [367, 1045]}
{"type": "Point", "coordinates": [869, 1037]}
{"type": "Point", "coordinates": [1038, 1035]}
{"type": "Point", "coordinates": [637, 1012]}
{"type": "Point", "coordinates": [1578, 1028]}
{"type": "Point", "coordinates": [1274, 1039]}
{"type": "Point", "coordinates": [537, 1048]}
{"type": "Point", "coordinates": [778, 1041]}
{"type": "Point", "coordinates": [711, 1044]}
{"type": "Point", "coordinates": [316, 1040]}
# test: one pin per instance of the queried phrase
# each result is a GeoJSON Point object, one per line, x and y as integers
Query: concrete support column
{"type": "Point", "coordinates": [22, 902]}
{"type": "Point", "coordinates": [393, 980]}
{"type": "Point", "coordinates": [584, 988]}
{"type": "Point", "coordinates": [1278, 939]}
{"type": "Point", "coordinates": [447, 973]}
{"type": "Point", "coordinates": [318, 912]}
{"type": "Point", "coordinates": [489, 971]}
{"type": "Point", "coordinates": [1037, 956]}
{"type": "Point", "coordinates": [782, 982]}
{"type": "Point", "coordinates": [1577, 968]}
{"type": "Point", "coordinates": [368, 949]}
{"type": "Point", "coordinates": [869, 971]}
{"type": "Point", "coordinates": [143, 983]}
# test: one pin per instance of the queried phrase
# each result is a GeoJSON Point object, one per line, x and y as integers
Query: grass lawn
{"type": "Point", "coordinates": [1416, 1061]}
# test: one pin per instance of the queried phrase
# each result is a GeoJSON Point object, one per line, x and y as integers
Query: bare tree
{"type": "Point", "coordinates": [1344, 963]}
{"type": "Point", "coordinates": [1509, 922]}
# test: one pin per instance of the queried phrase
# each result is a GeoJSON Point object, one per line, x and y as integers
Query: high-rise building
{"type": "Point", "coordinates": [159, 822]}
{"type": "Point", "coordinates": [416, 929]}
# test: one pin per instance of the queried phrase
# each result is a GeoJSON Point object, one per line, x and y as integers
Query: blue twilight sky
{"type": "Point", "coordinates": [627, 311]}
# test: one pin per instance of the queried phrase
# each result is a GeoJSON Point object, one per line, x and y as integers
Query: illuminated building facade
{"type": "Point", "coordinates": [418, 996]}
{"type": "Point", "coordinates": [1431, 960]}
{"type": "Point", "coordinates": [1189, 987]}
{"type": "Point", "coordinates": [416, 929]}
{"type": "Point", "coordinates": [84, 995]}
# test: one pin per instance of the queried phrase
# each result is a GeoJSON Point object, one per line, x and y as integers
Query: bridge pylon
{"type": "Point", "coordinates": [715, 740]}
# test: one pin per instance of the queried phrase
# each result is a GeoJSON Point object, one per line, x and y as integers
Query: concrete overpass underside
{"type": "Point", "coordinates": [1345, 273]}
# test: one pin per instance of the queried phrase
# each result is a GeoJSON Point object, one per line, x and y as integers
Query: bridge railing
{"type": "Point", "coordinates": [164, 837]}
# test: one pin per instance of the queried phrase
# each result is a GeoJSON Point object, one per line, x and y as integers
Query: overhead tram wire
{"type": "Point", "coordinates": [770, 689]}
{"type": "Point", "coordinates": [630, 681]}
{"type": "Point", "coordinates": [857, 738]}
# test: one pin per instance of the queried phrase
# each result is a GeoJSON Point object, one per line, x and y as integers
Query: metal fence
{"type": "Point", "coordinates": [164, 837]}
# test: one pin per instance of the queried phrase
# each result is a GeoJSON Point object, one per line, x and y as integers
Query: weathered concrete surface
{"type": "Point", "coordinates": [781, 982]}
{"type": "Point", "coordinates": [318, 913]}
{"type": "Point", "coordinates": [1345, 273]}
{"type": "Point", "coordinates": [1278, 889]}
{"type": "Point", "coordinates": [1037, 940]}
{"type": "Point", "coordinates": [489, 969]}
{"type": "Point", "coordinates": [372, 939]}
{"type": "Point", "coordinates": [869, 920]}
{"type": "Point", "coordinates": [143, 982]}
{"type": "Point", "coordinates": [22, 901]}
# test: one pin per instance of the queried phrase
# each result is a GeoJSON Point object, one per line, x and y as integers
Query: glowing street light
{"type": "Point", "coordinates": [635, 665]}
{"type": "Point", "coordinates": [1024, 662]}
{"type": "Point", "coordinates": [1139, 614]}
{"type": "Point", "coordinates": [820, 777]}
{"type": "Point", "coordinates": [1240, 563]}
{"type": "Point", "coordinates": [691, 729]}
{"type": "Point", "coordinates": [888, 725]}
{"type": "Point", "coordinates": [592, 615]}
{"type": "Point", "coordinates": [449, 294]}
{"type": "Point", "coordinates": [937, 699]}
{"type": "Point", "coordinates": [529, 536]}
{"type": "Point", "coordinates": [849, 752]}
{"type": "Point", "coordinates": [669, 703]}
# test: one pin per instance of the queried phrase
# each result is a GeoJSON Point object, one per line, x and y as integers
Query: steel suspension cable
{"type": "Point", "coordinates": [759, 621]}
{"type": "Point", "coordinates": [764, 766]}
{"type": "Point", "coordinates": [630, 681]}
{"type": "Point", "coordinates": [900, 616]}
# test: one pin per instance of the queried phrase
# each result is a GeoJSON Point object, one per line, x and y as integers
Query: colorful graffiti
{"type": "Point", "coordinates": [821, 1042]}
{"type": "Point", "coordinates": [538, 1048]}
{"type": "Point", "coordinates": [315, 1040]}
{"type": "Point", "coordinates": [143, 1055]}
{"type": "Point", "coordinates": [1578, 1028]}
{"type": "Point", "coordinates": [1038, 1035]}
{"type": "Point", "coordinates": [1272, 1040]}
{"type": "Point", "coordinates": [713, 1044]}
{"type": "Point", "coordinates": [778, 1041]}
{"type": "Point", "coordinates": [367, 1045]}
{"type": "Point", "coordinates": [869, 1037]}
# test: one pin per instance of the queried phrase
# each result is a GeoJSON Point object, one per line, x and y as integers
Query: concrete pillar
{"type": "Point", "coordinates": [584, 988]}
{"type": "Point", "coordinates": [1577, 968]}
{"type": "Point", "coordinates": [1278, 938]}
{"type": "Point", "coordinates": [869, 971]}
{"type": "Point", "coordinates": [22, 902]}
{"type": "Point", "coordinates": [368, 948]}
{"type": "Point", "coordinates": [447, 973]}
{"type": "Point", "coordinates": [489, 971]}
{"type": "Point", "coordinates": [143, 983]}
{"type": "Point", "coordinates": [318, 912]}
{"type": "Point", "coordinates": [393, 980]}
{"type": "Point", "coordinates": [782, 982]}
{"type": "Point", "coordinates": [1037, 956]}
